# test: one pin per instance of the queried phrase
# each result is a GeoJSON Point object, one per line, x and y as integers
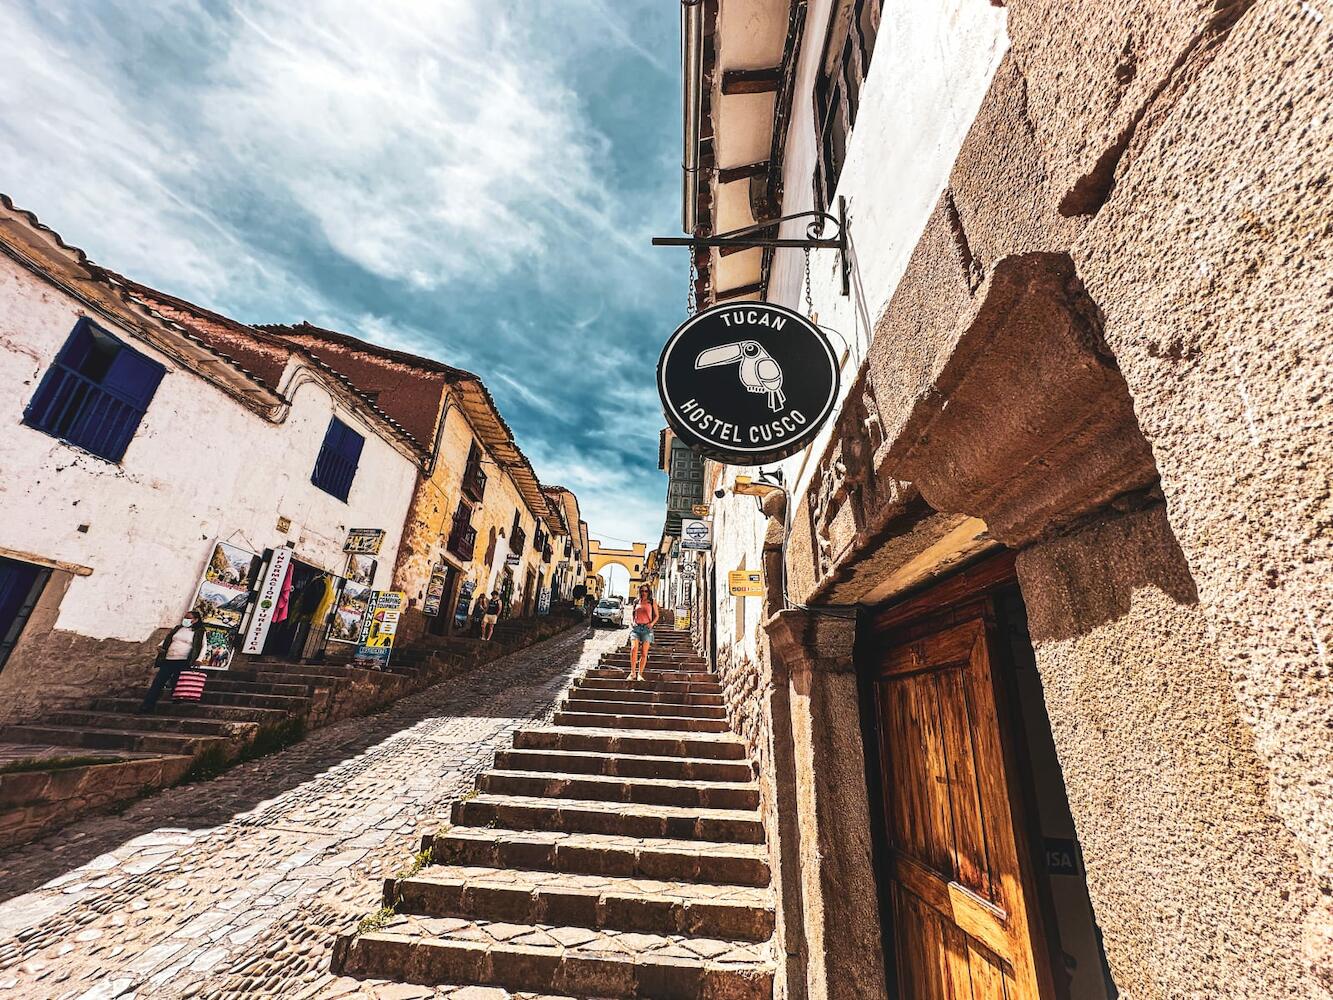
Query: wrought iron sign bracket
{"type": "Point", "coordinates": [750, 237]}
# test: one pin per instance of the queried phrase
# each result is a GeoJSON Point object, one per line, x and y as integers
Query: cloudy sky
{"type": "Point", "coordinates": [474, 180]}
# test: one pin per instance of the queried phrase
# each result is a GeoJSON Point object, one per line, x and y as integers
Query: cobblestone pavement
{"type": "Point", "coordinates": [237, 887]}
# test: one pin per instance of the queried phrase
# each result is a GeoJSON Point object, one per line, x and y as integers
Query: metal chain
{"type": "Point", "coordinates": [809, 298]}
{"type": "Point", "coordinates": [691, 298]}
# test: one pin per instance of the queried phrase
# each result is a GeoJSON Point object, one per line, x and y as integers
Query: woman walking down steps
{"type": "Point", "coordinates": [646, 614]}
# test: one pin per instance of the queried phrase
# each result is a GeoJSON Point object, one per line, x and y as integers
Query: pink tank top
{"type": "Point", "coordinates": [643, 613]}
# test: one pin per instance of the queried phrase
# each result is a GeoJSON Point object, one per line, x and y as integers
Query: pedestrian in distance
{"type": "Point", "coordinates": [491, 617]}
{"type": "Point", "coordinates": [478, 613]}
{"type": "Point", "coordinates": [179, 650]}
{"type": "Point", "coordinates": [645, 615]}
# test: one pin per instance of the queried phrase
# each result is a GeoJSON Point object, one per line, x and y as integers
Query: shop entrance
{"type": "Point", "coordinates": [981, 887]}
{"type": "Point", "coordinates": [530, 594]}
{"type": "Point", "coordinates": [20, 585]}
{"type": "Point", "coordinates": [442, 623]}
{"type": "Point", "coordinates": [310, 597]}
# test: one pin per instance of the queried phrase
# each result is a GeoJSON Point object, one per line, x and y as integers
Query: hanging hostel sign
{"type": "Point", "coordinates": [748, 382]}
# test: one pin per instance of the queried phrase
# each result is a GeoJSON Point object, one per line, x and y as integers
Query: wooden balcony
{"type": "Point", "coordinates": [462, 540]}
{"type": "Point", "coordinates": [474, 481]}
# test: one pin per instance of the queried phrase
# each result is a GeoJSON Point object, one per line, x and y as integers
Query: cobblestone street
{"type": "Point", "coordinates": [238, 886]}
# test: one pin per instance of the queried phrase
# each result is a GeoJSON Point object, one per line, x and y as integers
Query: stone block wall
{"type": "Point", "coordinates": [33, 802]}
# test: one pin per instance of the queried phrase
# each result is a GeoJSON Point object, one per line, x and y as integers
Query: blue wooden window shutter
{"type": "Point", "coordinates": [95, 393]}
{"type": "Point", "coordinates": [338, 458]}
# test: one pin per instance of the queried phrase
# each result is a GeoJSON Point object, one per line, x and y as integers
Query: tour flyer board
{"type": "Point", "coordinates": [379, 627]}
{"type": "Point", "coordinates": [221, 599]}
{"type": "Point", "coordinates": [544, 601]}
{"type": "Point", "coordinates": [464, 602]}
{"type": "Point", "coordinates": [434, 592]}
{"type": "Point", "coordinates": [361, 569]}
{"type": "Point", "coordinates": [682, 618]}
{"type": "Point", "coordinates": [353, 600]}
{"type": "Point", "coordinates": [364, 541]}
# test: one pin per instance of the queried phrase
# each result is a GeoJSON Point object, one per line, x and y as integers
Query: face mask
{"type": "Point", "coordinates": [187, 622]}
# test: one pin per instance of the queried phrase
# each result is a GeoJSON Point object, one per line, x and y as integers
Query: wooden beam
{"type": "Point", "coordinates": [731, 293]}
{"type": "Point", "coordinates": [727, 175]}
{"type": "Point", "coordinates": [751, 81]}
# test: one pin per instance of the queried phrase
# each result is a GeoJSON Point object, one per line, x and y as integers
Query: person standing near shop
{"type": "Point", "coordinates": [478, 614]}
{"type": "Point", "coordinates": [492, 616]}
{"type": "Point", "coordinates": [179, 650]}
{"type": "Point", "coordinates": [645, 615]}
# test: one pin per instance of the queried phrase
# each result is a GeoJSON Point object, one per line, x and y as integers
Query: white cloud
{"type": "Point", "coordinates": [429, 140]}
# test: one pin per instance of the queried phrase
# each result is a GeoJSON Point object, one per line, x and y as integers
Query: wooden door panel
{"type": "Point", "coordinates": [920, 796]}
{"type": "Point", "coordinates": [933, 955]}
{"type": "Point", "coordinates": [972, 867]}
{"type": "Point", "coordinates": [963, 926]}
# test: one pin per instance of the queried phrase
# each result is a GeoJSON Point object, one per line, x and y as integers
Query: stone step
{"type": "Point", "coordinates": [726, 746]}
{"type": "Point", "coordinates": [649, 906]}
{"type": "Point", "coordinates": [623, 765]}
{"type": "Point", "coordinates": [260, 687]}
{"type": "Point", "coordinates": [140, 741]}
{"type": "Point", "coordinates": [152, 723]}
{"type": "Point", "coordinates": [306, 682]}
{"type": "Point", "coordinates": [676, 659]}
{"type": "Point", "coordinates": [286, 703]}
{"type": "Point", "coordinates": [636, 693]}
{"type": "Point", "coordinates": [516, 812]}
{"type": "Point", "coordinates": [603, 706]}
{"type": "Point", "coordinates": [653, 675]}
{"type": "Point", "coordinates": [620, 721]}
{"type": "Point", "coordinates": [621, 683]}
{"type": "Point", "coordinates": [197, 710]}
{"type": "Point", "coordinates": [602, 854]}
{"type": "Point", "coordinates": [642, 791]}
{"type": "Point", "coordinates": [269, 668]}
{"type": "Point", "coordinates": [543, 958]}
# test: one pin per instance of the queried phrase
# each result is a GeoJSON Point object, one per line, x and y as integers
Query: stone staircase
{"type": "Point", "coordinates": [256, 707]}
{"type": "Point", "coordinates": [617, 853]}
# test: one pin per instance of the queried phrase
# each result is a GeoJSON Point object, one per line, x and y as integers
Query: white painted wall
{"type": "Point", "coordinates": [200, 467]}
{"type": "Point", "coordinates": [932, 65]}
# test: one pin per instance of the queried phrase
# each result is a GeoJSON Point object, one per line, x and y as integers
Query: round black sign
{"type": "Point", "coordinates": [748, 382]}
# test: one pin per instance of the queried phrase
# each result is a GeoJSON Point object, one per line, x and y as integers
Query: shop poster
{"type": "Point", "coordinates": [221, 599]}
{"type": "Point", "coordinates": [364, 541]}
{"type": "Point", "coordinates": [361, 569]}
{"type": "Point", "coordinates": [348, 612]}
{"type": "Point", "coordinates": [544, 601]}
{"type": "Point", "coordinates": [464, 605]}
{"type": "Point", "coordinates": [379, 627]}
{"type": "Point", "coordinates": [434, 592]}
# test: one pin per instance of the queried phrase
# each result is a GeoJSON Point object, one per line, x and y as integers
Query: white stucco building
{"type": "Point", "coordinates": [211, 432]}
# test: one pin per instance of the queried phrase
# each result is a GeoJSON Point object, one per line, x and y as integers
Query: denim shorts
{"type": "Point", "coordinates": [642, 633]}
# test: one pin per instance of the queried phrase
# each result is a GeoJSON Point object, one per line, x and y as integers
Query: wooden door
{"type": "Point", "coordinates": [964, 921]}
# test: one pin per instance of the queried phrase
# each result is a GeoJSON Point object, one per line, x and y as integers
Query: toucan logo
{"type": "Point", "coordinates": [758, 371]}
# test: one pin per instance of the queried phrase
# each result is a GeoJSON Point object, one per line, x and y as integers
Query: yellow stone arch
{"type": "Point", "coordinates": [634, 559]}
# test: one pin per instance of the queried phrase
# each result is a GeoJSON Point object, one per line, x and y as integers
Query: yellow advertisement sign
{"type": "Point", "coordinates": [745, 583]}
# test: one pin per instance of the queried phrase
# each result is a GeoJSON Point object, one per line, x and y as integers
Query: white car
{"type": "Point", "coordinates": [609, 612]}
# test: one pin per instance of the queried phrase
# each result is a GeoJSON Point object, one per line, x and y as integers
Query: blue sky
{"type": "Point", "coordinates": [474, 180]}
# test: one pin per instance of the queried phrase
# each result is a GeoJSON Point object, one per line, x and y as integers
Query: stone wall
{"type": "Point", "coordinates": [1110, 349]}
{"type": "Point", "coordinates": [34, 802]}
{"type": "Point", "coordinates": [1198, 886]}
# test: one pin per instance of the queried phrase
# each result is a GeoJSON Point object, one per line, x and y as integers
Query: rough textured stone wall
{"type": "Point", "coordinates": [1199, 888]}
{"type": "Point", "coordinates": [1211, 260]}
{"type": "Point", "coordinates": [1145, 186]}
